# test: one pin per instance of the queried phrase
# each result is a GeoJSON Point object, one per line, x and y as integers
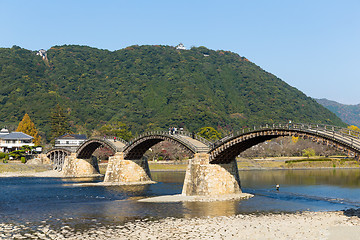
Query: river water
{"type": "Point", "coordinates": [57, 202]}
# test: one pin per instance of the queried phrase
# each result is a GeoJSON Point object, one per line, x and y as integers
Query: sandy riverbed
{"type": "Point", "coordinates": [49, 173]}
{"type": "Point", "coordinates": [307, 225]}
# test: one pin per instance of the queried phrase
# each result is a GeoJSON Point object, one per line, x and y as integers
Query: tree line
{"type": "Point", "coordinates": [280, 147]}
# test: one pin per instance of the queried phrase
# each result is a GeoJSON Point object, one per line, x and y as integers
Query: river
{"type": "Point", "coordinates": [57, 202]}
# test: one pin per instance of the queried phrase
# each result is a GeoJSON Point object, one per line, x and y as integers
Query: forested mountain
{"type": "Point", "coordinates": [350, 114]}
{"type": "Point", "coordinates": [148, 88]}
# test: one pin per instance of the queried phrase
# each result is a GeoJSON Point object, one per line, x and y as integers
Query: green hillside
{"type": "Point", "coordinates": [148, 88]}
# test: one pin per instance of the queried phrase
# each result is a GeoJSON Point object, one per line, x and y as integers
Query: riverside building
{"type": "Point", "coordinates": [14, 141]}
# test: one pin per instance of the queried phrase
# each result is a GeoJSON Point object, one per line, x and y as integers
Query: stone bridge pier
{"type": "Point", "coordinates": [77, 167]}
{"type": "Point", "coordinates": [123, 171]}
{"type": "Point", "coordinates": [206, 179]}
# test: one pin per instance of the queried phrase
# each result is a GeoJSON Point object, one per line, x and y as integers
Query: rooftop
{"type": "Point", "coordinates": [16, 136]}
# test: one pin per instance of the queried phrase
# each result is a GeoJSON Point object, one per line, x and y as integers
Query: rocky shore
{"type": "Point", "coordinates": [183, 198]}
{"type": "Point", "coordinates": [306, 225]}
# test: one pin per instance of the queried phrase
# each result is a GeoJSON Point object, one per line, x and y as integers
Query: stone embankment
{"type": "Point", "coordinates": [307, 225]}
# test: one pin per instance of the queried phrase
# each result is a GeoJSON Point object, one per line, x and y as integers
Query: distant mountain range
{"type": "Point", "coordinates": [350, 114]}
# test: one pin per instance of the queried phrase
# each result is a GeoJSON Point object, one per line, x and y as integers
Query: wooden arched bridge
{"type": "Point", "coordinates": [212, 169]}
{"type": "Point", "coordinates": [221, 151]}
{"type": "Point", "coordinates": [229, 147]}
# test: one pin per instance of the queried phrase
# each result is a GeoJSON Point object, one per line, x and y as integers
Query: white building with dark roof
{"type": "Point", "coordinates": [70, 141]}
{"type": "Point", "coordinates": [14, 141]}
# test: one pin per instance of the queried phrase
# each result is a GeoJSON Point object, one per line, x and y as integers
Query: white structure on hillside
{"type": "Point", "coordinates": [4, 131]}
{"type": "Point", "coordinates": [14, 141]}
{"type": "Point", "coordinates": [42, 53]}
{"type": "Point", "coordinates": [180, 47]}
{"type": "Point", "coordinates": [70, 141]}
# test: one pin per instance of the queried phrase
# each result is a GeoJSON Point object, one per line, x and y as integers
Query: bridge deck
{"type": "Point", "coordinates": [118, 144]}
{"type": "Point", "coordinates": [201, 147]}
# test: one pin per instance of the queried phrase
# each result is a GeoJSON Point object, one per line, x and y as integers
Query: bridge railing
{"type": "Point", "coordinates": [112, 145]}
{"type": "Point", "coordinates": [111, 139]}
{"type": "Point", "coordinates": [197, 137]}
{"type": "Point", "coordinates": [178, 135]}
{"type": "Point", "coordinates": [346, 134]}
{"type": "Point", "coordinates": [329, 128]}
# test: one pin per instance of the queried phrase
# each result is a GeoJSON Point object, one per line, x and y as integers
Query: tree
{"type": "Point", "coordinates": [309, 152]}
{"type": "Point", "coordinates": [168, 151]}
{"type": "Point", "coordinates": [209, 133]}
{"type": "Point", "coordinates": [117, 129]}
{"type": "Point", "coordinates": [28, 127]}
{"type": "Point", "coordinates": [59, 122]}
{"type": "Point", "coordinates": [354, 130]}
{"type": "Point", "coordinates": [17, 154]}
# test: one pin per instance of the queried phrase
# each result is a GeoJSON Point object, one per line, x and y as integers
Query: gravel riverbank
{"type": "Point", "coordinates": [307, 225]}
{"type": "Point", "coordinates": [48, 173]}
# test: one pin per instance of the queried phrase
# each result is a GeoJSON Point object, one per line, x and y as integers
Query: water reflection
{"type": "Point", "coordinates": [118, 212]}
{"type": "Point", "coordinates": [168, 177]}
{"type": "Point", "coordinates": [337, 177]}
{"type": "Point", "coordinates": [200, 209]}
{"type": "Point", "coordinates": [133, 190]}
{"type": "Point", "coordinates": [82, 179]}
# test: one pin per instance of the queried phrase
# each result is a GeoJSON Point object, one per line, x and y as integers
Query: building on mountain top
{"type": "Point", "coordinates": [42, 53]}
{"type": "Point", "coordinates": [180, 47]}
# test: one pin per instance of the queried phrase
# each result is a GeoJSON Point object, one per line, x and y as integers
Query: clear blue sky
{"type": "Point", "coordinates": [312, 45]}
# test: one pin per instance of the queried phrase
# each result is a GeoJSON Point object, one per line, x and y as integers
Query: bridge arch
{"type": "Point", "coordinates": [138, 146]}
{"type": "Point", "coordinates": [57, 157]}
{"type": "Point", "coordinates": [231, 146]}
{"type": "Point", "coordinates": [88, 147]}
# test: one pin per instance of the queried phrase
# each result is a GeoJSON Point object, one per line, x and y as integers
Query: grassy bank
{"type": "Point", "coordinates": [243, 164]}
{"type": "Point", "coordinates": [270, 163]}
{"type": "Point", "coordinates": [156, 166]}
{"type": "Point", "coordinates": [293, 163]}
